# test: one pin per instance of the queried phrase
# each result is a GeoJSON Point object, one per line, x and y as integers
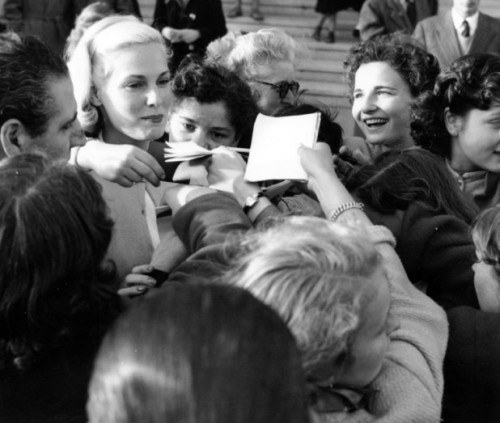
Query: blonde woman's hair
{"type": "Point", "coordinates": [314, 273]}
{"type": "Point", "coordinates": [243, 54]}
{"type": "Point", "coordinates": [87, 65]}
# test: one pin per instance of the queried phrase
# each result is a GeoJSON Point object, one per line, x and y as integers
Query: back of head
{"type": "Point", "coordinates": [314, 274]}
{"type": "Point", "coordinates": [243, 54]}
{"type": "Point", "coordinates": [330, 132]}
{"type": "Point", "coordinates": [26, 66]}
{"type": "Point", "coordinates": [88, 65]}
{"type": "Point", "coordinates": [397, 179]}
{"type": "Point", "coordinates": [470, 82]}
{"type": "Point", "coordinates": [408, 58]}
{"type": "Point", "coordinates": [198, 354]}
{"type": "Point", "coordinates": [54, 233]}
{"type": "Point", "coordinates": [208, 84]}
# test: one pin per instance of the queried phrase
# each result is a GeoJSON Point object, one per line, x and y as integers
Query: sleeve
{"type": "Point", "coordinates": [439, 251]}
{"type": "Point", "coordinates": [160, 15]}
{"type": "Point", "coordinates": [370, 21]}
{"type": "Point", "coordinates": [13, 10]}
{"type": "Point", "coordinates": [419, 34]}
{"type": "Point", "coordinates": [208, 219]}
{"type": "Point", "coordinates": [213, 25]}
{"type": "Point", "coordinates": [410, 385]}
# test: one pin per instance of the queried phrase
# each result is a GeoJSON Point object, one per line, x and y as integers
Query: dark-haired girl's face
{"type": "Point", "coordinates": [476, 140]}
{"type": "Point", "coordinates": [205, 124]}
{"type": "Point", "coordinates": [381, 105]}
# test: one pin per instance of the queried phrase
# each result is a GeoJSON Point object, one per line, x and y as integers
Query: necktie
{"type": "Point", "coordinates": [411, 11]}
{"type": "Point", "coordinates": [465, 29]}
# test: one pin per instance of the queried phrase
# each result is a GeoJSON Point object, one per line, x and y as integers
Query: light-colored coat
{"type": "Point", "coordinates": [440, 38]}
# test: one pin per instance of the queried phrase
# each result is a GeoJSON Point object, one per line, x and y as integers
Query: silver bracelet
{"type": "Point", "coordinates": [334, 215]}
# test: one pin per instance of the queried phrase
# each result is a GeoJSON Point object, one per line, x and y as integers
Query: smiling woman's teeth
{"type": "Point", "coordinates": [375, 122]}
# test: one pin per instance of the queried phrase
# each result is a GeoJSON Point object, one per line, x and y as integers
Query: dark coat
{"type": "Point", "coordinates": [206, 16]}
{"type": "Point", "coordinates": [379, 17]}
{"type": "Point", "coordinates": [51, 20]}
{"type": "Point", "coordinates": [439, 37]}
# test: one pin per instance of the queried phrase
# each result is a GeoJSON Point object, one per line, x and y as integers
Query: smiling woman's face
{"type": "Point", "coordinates": [381, 105]}
{"type": "Point", "coordinates": [133, 96]}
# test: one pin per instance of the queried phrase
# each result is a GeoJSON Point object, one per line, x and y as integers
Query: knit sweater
{"type": "Point", "coordinates": [410, 384]}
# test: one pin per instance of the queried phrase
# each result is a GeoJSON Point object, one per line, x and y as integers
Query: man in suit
{"type": "Point", "coordinates": [379, 17]}
{"type": "Point", "coordinates": [462, 30]}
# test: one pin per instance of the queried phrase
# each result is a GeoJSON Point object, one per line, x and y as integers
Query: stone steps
{"type": "Point", "coordinates": [322, 74]}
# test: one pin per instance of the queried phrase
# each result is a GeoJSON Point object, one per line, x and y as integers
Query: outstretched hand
{"type": "Point", "coordinates": [124, 164]}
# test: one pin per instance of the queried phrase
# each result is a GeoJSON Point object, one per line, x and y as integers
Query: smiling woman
{"type": "Point", "coordinates": [120, 75]}
{"type": "Point", "coordinates": [460, 120]}
{"type": "Point", "coordinates": [385, 76]}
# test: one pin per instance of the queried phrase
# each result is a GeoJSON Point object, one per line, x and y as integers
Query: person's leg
{"type": "Point", "coordinates": [255, 14]}
{"type": "Point", "coordinates": [317, 31]}
{"type": "Point", "coordinates": [333, 23]}
{"type": "Point", "coordinates": [235, 11]}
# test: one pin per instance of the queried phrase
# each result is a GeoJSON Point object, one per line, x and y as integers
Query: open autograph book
{"type": "Point", "coordinates": [274, 150]}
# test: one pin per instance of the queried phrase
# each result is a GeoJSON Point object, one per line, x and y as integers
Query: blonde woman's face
{"type": "Point", "coordinates": [133, 95]}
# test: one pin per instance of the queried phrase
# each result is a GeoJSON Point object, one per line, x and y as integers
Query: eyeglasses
{"type": "Point", "coordinates": [283, 87]}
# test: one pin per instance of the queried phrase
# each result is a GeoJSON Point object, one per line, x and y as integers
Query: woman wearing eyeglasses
{"type": "Point", "coordinates": [266, 60]}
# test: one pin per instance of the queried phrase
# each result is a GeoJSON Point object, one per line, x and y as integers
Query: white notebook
{"type": "Point", "coordinates": [275, 144]}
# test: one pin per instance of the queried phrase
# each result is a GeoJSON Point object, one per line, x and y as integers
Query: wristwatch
{"type": "Point", "coordinates": [251, 201]}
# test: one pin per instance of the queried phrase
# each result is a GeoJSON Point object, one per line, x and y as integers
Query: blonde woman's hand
{"type": "Point", "coordinates": [124, 164]}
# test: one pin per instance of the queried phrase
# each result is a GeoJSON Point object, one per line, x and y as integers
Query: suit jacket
{"type": "Point", "coordinates": [379, 17]}
{"type": "Point", "coordinates": [440, 38]}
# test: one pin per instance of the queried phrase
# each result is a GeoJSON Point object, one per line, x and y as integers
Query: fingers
{"type": "Point", "coordinates": [133, 291]}
{"type": "Point", "coordinates": [147, 167]}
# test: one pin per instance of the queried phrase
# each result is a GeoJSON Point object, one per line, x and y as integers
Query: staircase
{"type": "Point", "coordinates": [322, 75]}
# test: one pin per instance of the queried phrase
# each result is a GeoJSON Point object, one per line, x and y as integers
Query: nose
{"type": "Point", "coordinates": [153, 97]}
{"type": "Point", "coordinates": [200, 138]}
{"type": "Point", "coordinates": [367, 104]}
{"type": "Point", "coordinates": [77, 136]}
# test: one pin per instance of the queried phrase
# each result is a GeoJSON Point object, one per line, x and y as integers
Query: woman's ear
{"type": "Point", "coordinates": [452, 122]}
{"type": "Point", "coordinates": [94, 97]}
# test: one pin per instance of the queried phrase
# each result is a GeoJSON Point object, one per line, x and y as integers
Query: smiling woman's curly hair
{"type": "Point", "coordinates": [410, 60]}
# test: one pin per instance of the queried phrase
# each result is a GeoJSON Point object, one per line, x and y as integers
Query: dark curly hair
{"type": "Point", "coordinates": [408, 58]}
{"type": "Point", "coordinates": [397, 179]}
{"type": "Point", "coordinates": [470, 82]}
{"type": "Point", "coordinates": [213, 83]}
{"type": "Point", "coordinates": [54, 234]}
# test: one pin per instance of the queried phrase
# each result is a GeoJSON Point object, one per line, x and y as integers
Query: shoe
{"type": "Point", "coordinates": [317, 33]}
{"type": "Point", "coordinates": [234, 12]}
{"type": "Point", "coordinates": [330, 38]}
{"type": "Point", "coordinates": [256, 15]}
{"type": "Point", "coordinates": [355, 33]}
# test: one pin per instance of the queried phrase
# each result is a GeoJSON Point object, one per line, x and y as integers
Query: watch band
{"type": "Point", "coordinates": [251, 201]}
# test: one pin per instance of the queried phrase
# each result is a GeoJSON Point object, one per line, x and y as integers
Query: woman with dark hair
{"type": "Point", "coordinates": [460, 121]}
{"type": "Point", "coordinates": [218, 94]}
{"type": "Point", "coordinates": [412, 193]}
{"type": "Point", "coordinates": [385, 77]}
{"type": "Point", "coordinates": [56, 297]}
{"type": "Point", "coordinates": [199, 353]}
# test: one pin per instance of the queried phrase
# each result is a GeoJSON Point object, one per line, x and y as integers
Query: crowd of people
{"type": "Point", "coordinates": [369, 292]}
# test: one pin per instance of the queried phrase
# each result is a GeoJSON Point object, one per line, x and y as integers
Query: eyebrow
{"type": "Point", "coordinates": [70, 121]}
